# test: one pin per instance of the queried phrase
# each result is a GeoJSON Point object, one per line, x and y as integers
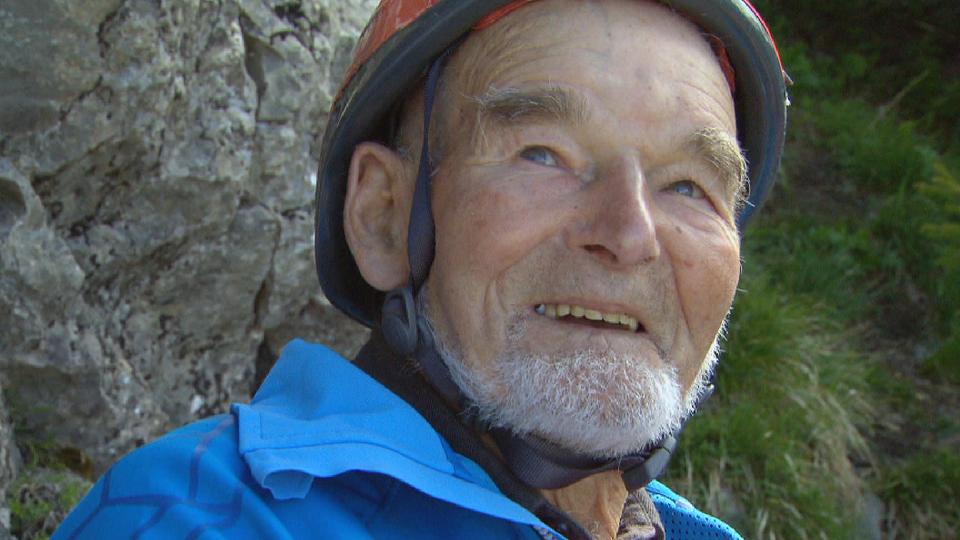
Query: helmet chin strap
{"type": "Point", "coordinates": [535, 461]}
{"type": "Point", "coordinates": [398, 319]}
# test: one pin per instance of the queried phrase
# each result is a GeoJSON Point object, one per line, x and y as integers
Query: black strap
{"type": "Point", "coordinates": [398, 315]}
{"type": "Point", "coordinates": [420, 231]}
{"type": "Point", "coordinates": [435, 369]}
{"type": "Point", "coordinates": [542, 464]}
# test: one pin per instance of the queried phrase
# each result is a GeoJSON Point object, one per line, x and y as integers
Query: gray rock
{"type": "Point", "coordinates": [874, 516]}
{"type": "Point", "coordinates": [157, 167]}
{"type": "Point", "coordinates": [51, 56]}
{"type": "Point", "coordinates": [9, 462]}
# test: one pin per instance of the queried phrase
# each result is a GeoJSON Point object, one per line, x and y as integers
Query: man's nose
{"type": "Point", "coordinates": [617, 222]}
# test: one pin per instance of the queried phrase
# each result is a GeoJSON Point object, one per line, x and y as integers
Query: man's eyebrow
{"type": "Point", "coordinates": [550, 103]}
{"type": "Point", "coordinates": [721, 150]}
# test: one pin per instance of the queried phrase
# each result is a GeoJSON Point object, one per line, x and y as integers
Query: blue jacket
{"type": "Point", "coordinates": [323, 451]}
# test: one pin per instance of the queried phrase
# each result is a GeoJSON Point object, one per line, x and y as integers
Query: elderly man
{"type": "Point", "coordinates": [535, 205]}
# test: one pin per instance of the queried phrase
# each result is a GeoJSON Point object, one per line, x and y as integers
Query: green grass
{"type": "Point", "coordinates": [40, 499]}
{"type": "Point", "coordinates": [945, 363]}
{"type": "Point", "coordinates": [837, 265]}
{"type": "Point", "coordinates": [926, 488]}
{"type": "Point", "coordinates": [879, 151]}
{"type": "Point", "coordinates": [51, 483]}
{"type": "Point", "coordinates": [942, 230]}
{"type": "Point", "coordinates": [771, 453]}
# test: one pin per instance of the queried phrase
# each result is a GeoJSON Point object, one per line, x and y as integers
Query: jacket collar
{"type": "Point", "coordinates": [318, 416]}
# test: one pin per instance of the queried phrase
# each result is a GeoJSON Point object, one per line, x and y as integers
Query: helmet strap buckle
{"type": "Point", "coordinates": [398, 320]}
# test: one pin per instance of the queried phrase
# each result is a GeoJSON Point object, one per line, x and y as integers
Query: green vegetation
{"type": "Point", "coordinates": [842, 376]}
{"type": "Point", "coordinates": [775, 444]}
{"type": "Point", "coordinates": [41, 498]}
{"type": "Point", "coordinates": [51, 483]}
{"type": "Point", "coordinates": [913, 484]}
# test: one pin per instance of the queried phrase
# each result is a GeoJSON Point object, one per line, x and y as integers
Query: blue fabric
{"type": "Point", "coordinates": [683, 521]}
{"type": "Point", "coordinates": [323, 451]}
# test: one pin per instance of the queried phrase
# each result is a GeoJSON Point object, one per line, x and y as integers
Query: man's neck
{"type": "Point", "coordinates": [596, 502]}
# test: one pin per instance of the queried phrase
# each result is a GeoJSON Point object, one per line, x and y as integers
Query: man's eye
{"type": "Point", "coordinates": [541, 155]}
{"type": "Point", "coordinates": [687, 188]}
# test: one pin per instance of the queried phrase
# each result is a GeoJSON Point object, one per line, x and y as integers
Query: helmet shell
{"type": "Point", "coordinates": [403, 38]}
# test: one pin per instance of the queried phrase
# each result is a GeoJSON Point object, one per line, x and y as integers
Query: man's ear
{"type": "Point", "coordinates": [376, 212]}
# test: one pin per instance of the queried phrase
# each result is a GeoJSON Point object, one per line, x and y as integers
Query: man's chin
{"type": "Point", "coordinates": [596, 402]}
{"type": "Point", "coordinates": [593, 403]}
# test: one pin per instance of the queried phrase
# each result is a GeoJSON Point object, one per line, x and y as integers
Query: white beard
{"type": "Point", "coordinates": [598, 403]}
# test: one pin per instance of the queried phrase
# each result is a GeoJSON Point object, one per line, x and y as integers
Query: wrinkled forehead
{"type": "Point", "coordinates": [546, 42]}
{"type": "Point", "coordinates": [392, 17]}
{"type": "Point", "coordinates": [518, 25]}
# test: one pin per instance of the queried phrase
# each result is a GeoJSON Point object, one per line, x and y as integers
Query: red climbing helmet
{"type": "Point", "coordinates": [405, 36]}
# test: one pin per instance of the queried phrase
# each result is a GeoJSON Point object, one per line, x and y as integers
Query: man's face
{"type": "Point", "coordinates": [592, 171]}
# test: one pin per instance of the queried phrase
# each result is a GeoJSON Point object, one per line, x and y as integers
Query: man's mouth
{"type": "Point", "coordinates": [593, 317]}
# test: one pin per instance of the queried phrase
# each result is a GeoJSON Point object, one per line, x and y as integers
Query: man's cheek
{"type": "Point", "coordinates": [495, 226]}
{"type": "Point", "coordinates": [707, 287]}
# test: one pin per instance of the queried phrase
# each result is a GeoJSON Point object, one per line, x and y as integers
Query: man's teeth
{"type": "Point", "coordinates": [562, 310]}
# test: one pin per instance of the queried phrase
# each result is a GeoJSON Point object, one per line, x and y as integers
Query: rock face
{"type": "Point", "coordinates": [157, 168]}
{"type": "Point", "coordinates": [9, 464]}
